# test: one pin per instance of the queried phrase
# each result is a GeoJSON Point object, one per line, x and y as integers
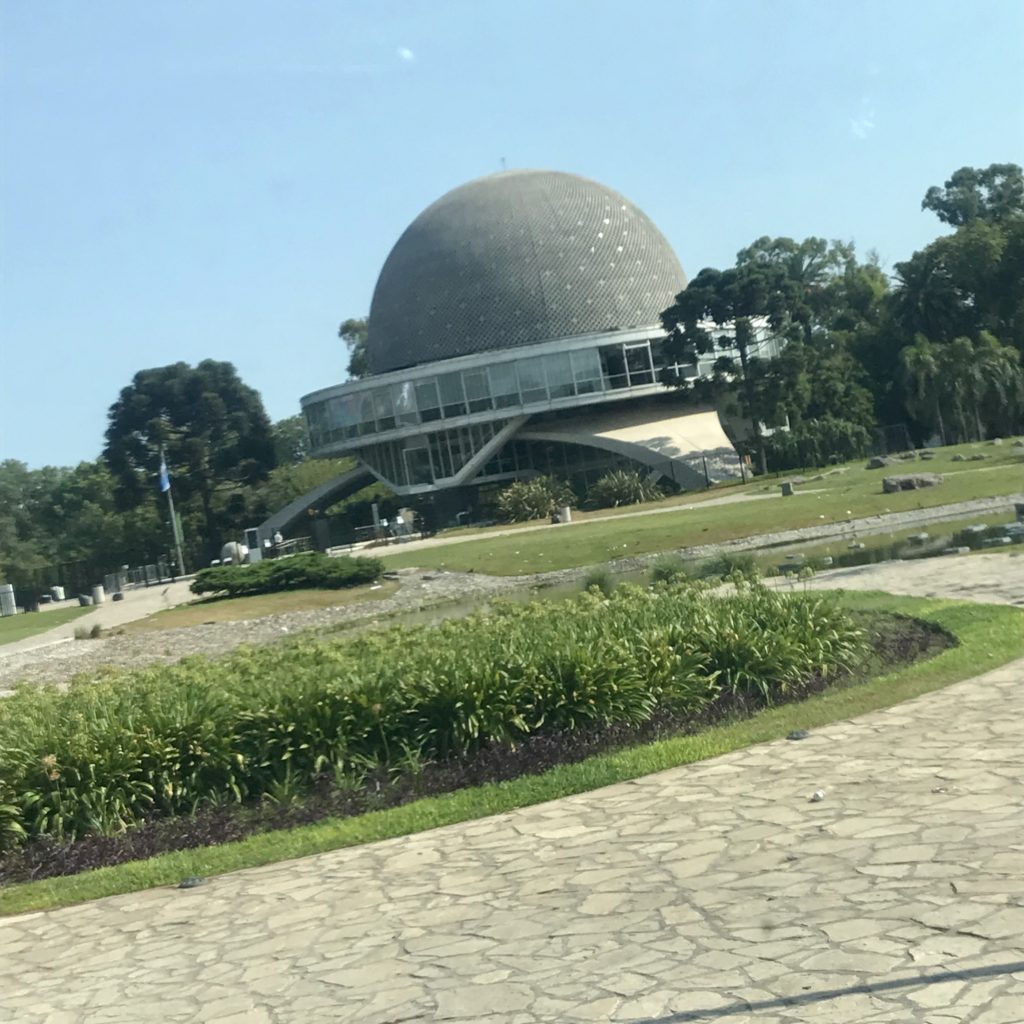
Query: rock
{"type": "Point", "coordinates": [907, 456]}
{"type": "Point", "coordinates": [910, 482]}
{"type": "Point", "coordinates": [817, 796]}
{"type": "Point", "coordinates": [997, 440]}
{"type": "Point", "coordinates": [879, 462]}
{"type": "Point", "coordinates": [978, 457]}
{"type": "Point", "coordinates": [959, 458]}
{"type": "Point", "coordinates": [787, 489]}
{"type": "Point", "coordinates": [927, 455]}
{"type": "Point", "coordinates": [191, 883]}
{"type": "Point", "coordinates": [798, 734]}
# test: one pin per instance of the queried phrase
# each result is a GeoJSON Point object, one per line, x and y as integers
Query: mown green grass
{"type": "Point", "coordinates": [990, 635]}
{"type": "Point", "coordinates": [851, 495]}
{"type": "Point", "coordinates": [18, 627]}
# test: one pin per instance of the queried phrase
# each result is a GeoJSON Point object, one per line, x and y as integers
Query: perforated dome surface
{"type": "Point", "coordinates": [514, 259]}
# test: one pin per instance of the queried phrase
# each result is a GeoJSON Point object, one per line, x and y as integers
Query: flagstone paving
{"type": "Point", "coordinates": [714, 892]}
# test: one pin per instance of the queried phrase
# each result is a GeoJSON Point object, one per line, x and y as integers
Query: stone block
{"type": "Point", "coordinates": [910, 482]}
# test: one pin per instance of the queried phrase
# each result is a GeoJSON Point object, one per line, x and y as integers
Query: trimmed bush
{"type": "Point", "coordinates": [270, 721]}
{"type": "Point", "coordinates": [623, 487]}
{"type": "Point", "coordinates": [296, 572]}
{"type": "Point", "coordinates": [538, 498]}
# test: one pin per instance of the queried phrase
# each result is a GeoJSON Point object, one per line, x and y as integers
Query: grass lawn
{"type": "Point", "coordinates": [17, 627]}
{"type": "Point", "coordinates": [235, 609]}
{"type": "Point", "coordinates": [990, 635]}
{"type": "Point", "coordinates": [850, 495]}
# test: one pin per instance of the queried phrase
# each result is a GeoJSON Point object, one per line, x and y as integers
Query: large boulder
{"type": "Point", "coordinates": [910, 482]}
{"type": "Point", "coordinates": [879, 462]}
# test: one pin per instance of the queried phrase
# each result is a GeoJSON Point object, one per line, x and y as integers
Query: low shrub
{"type": "Point", "coordinates": [274, 721]}
{"type": "Point", "coordinates": [296, 572]}
{"type": "Point", "coordinates": [599, 578]}
{"type": "Point", "coordinates": [623, 487]}
{"type": "Point", "coordinates": [731, 565]}
{"type": "Point", "coordinates": [669, 569]}
{"type": "Point", "coordinates": [533, 499]}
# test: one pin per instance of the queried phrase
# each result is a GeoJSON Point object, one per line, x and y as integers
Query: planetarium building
{"type": "Point", "coordinates": [515, 330]}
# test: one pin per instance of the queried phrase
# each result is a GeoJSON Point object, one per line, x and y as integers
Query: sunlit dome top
{"type": "Point", "coordinates": [514, 259]}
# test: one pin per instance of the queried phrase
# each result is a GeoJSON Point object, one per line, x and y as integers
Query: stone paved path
{"type": "Point", "coordinates": [995, 578]}
{"type": "Point", "coordinates": [715, 892]}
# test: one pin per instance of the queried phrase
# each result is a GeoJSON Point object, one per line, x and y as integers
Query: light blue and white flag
{"type": "Point", "coordinates": [165, 476]}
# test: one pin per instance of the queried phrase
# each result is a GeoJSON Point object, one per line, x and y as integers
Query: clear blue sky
{"type": "Point", "coordinates": [223, 179]}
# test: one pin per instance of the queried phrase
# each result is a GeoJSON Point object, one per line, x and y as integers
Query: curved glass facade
{"type": "Point", "coordinates": [421, 428]}
{"type": "Point", "coordinates": [360, 409]}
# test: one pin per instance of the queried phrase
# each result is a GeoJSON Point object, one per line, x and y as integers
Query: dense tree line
{"type": "Point", "coordinates": [229, 468]}
{"type": "Point", "coordinates": [937, 346]}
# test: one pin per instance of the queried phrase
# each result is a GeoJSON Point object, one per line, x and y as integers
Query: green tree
{"type": "Point", "coordinates": [354, 333]}
{"type": "Point", "coordinates": [994, 194]}
{"type": "Point", "coordinates": [291, 440]}
{"type": "Point", "coordinates": [1002, 384]}
{"type": "Point", "coordinates": [922, 369]}
{"type": "Point", "coordinates": [215, 434]}
{"type": "Point", "coordinates": [61, 525]}
{"type": "Point", "coordinates": [973, 279]}
{"type": "Point", "coordinates": [810, 270]}
{"type": "Point", "coordinates": [288, 482]}
{"type": "Point", "coordinates": [723, 309]}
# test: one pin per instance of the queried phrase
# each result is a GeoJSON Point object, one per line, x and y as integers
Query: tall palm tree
{"type": "Point", "coordinates": [923, 372]}
{"type": "Point", "coordinates": [1002, 381]}
{"type": "Point", "coordinates": [964, 384]}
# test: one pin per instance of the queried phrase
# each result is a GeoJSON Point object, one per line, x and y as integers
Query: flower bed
{"type": "Point", "coordinates": [278, 720]}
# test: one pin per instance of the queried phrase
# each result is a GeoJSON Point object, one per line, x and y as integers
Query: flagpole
{"type": "Point", "coordinates": [165, 479]}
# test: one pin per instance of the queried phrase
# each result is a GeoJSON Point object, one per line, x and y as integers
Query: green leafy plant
{"type": "Point", "coordinates": [533, 499]}
{"type": "Point", "coordinates": [731, 565]}
{"type": "Point", "coordinates": [599, 578]}
{"type": "Point", "coordinates": [269, 722]}
{"type": "Point", "coordinates": [623, 487]}
{"type": "Point", "coordinates": [670, 569]}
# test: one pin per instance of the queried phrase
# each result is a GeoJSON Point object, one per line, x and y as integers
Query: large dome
{"type": "Point", "coordinates": [517, 258]}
